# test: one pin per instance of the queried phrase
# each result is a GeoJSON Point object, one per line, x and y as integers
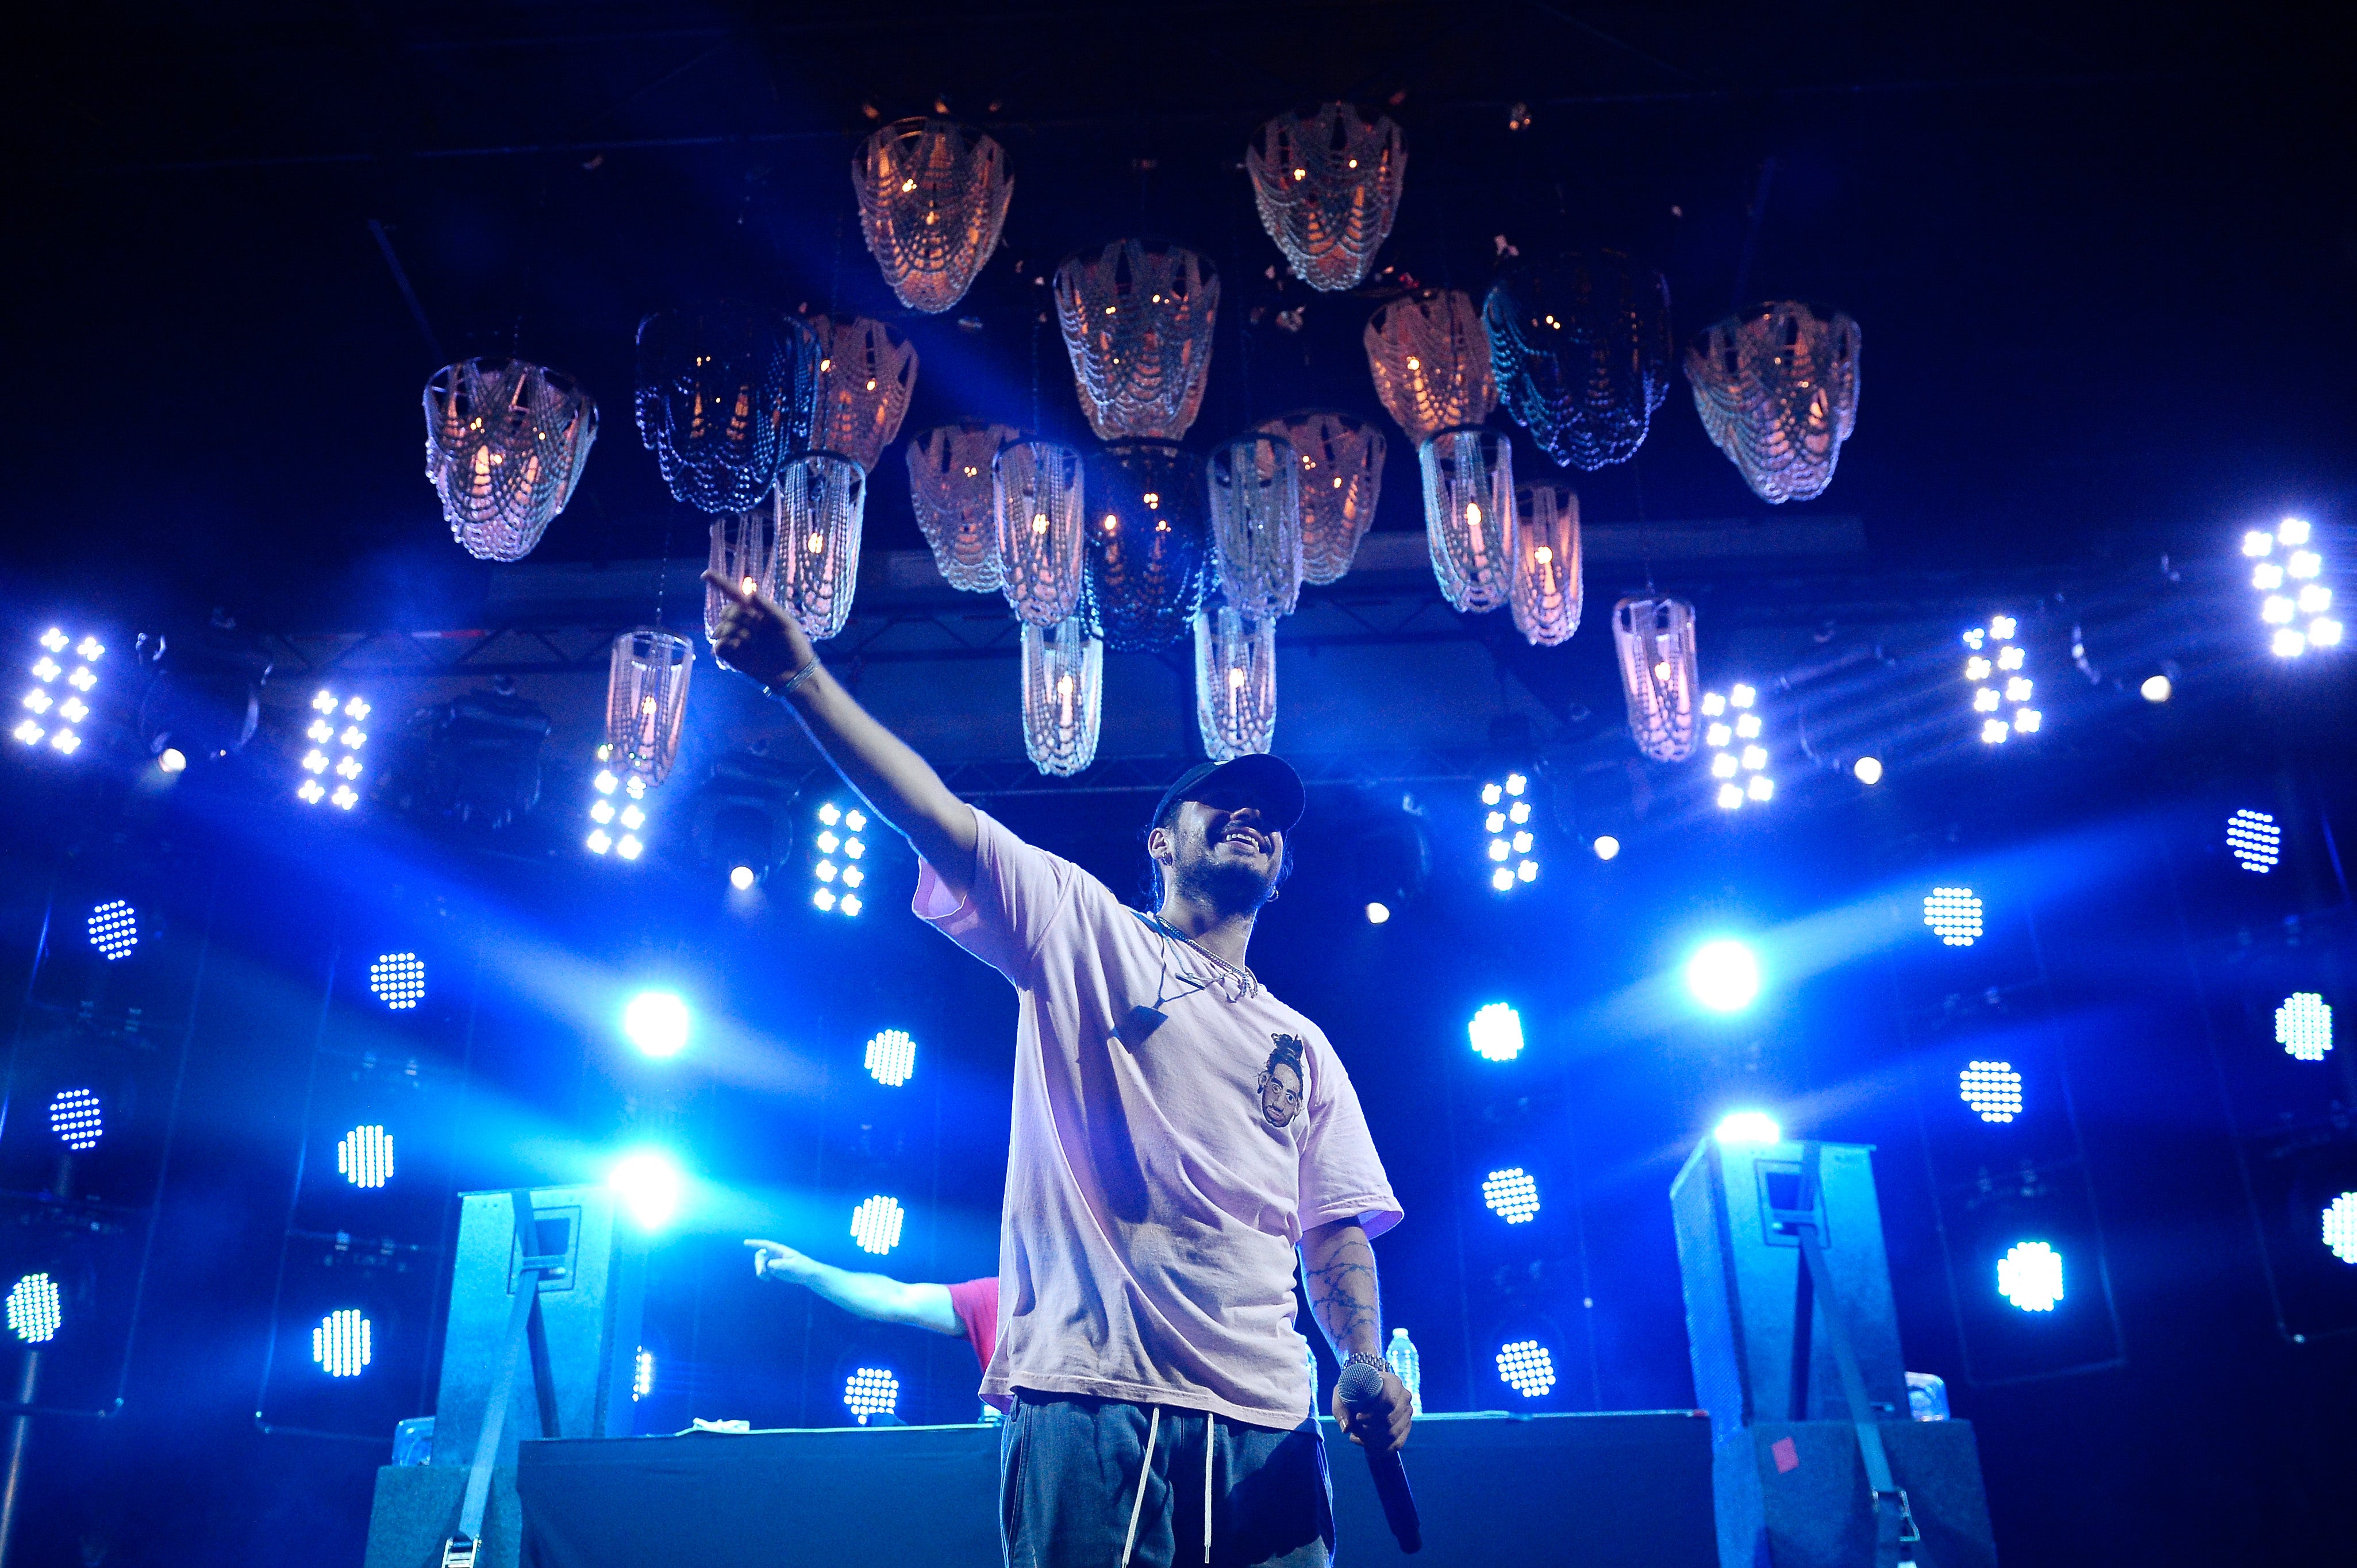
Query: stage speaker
{"type": "Point", "coordinates": [416, 1511]}
{"type": "Point", "coordinates": [589, 1313]}
{"type": "Point", "coordinates": [1741, 1267]}
{"type": "Point", "coordinates": [1791, 1494]}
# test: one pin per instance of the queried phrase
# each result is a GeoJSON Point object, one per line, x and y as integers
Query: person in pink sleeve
{"type": "Point", "coordinates": [1180, 1137]}
{"type": "Point", "coordinates": [967, 1310]}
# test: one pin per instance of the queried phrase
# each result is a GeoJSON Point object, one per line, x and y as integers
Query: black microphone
{"type": "Point", "coordinates": [1359, 1387]}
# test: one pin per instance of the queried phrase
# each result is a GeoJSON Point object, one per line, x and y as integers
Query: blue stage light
{"type": "Point", "coordinates": [2304, 1025]}
{"type": "Point", "coordinates": [2255, 841]}
{"type": "Point", "coordinates": [399, 979]}
{"type": "Point", "coordinates": [1606, 846]}
{"type": "Point", "coordinates": [649, 1186]}
{"type": "Point", "coordinates": [643, 1376]}
{"type": "Point", "coordinates": [2031, 1276]}
{"type": "Point", "coordinates": [876, 1224]}
{"type": "Point", "coordinates": [1524, 1366]}
{"type": "Point", "coordinates": [657, 1023]}
{"type": "Point", "coordinates": [1992, 1089]}
{"type": "Point", "coordinates": [325, 736]}
{"type": "Point", "coordinates": [1955, 915]}
{"type": "Point", "coordinates": [1496, 1032]}
{"type": "Point", "coordinates": [1378, 912]}
{"type": "Point", "coordinates": [78, 1118]}
{"type": "Point", "coordinates": [2341, 1227]}
{"type": "Point", "coordinates": [340, 1343]}
{"type": "Point", "coordinates": [36, 1309]}
{"type": "Point", "coordinates": [1748, 1127]}
{"type": "Point", "coordinates": [1511, 1194]}
{"type": "Point", "coordinates": [114, 928]}
{"type": "Point", "coordinates": [891, 1058]}
{"type": "Point", "coordinates": [365, 1156]}
{"type": "Point", "coordinates": [2290, 589]}
{"type": "Point", "coordinates": [1723, 975]}
{"type": "Point", "coordinates": [871, 1391]}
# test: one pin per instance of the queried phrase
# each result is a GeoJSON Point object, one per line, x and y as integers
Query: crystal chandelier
{"type": "Point", "coordinates": [1341, 461]}
{"type": "Point", "coordinates": [744, 551]}
{"type": "Point", "coordinates": [1137, 318]}
{"type": "Point", "coordinates": [932, 196]}
{"type": "Point", "coordinates": [646, 701]}
{"type": "Point", "coordinates": [950, 491]}
{"type": "Point", "coordinates": [1329, 187]}
{"type": "Point", "coordinates": [1546, 589]}
{"type": "Point", "coordinates": [1656, 641]}
{"type": "Point", "coordinates": [1430, 357]}
{"type": "Point", "coordinates": [1469, 516]}
{"type": "Point", "coordinates": [822, 500]}
{"type": "Point", "coordinates": [1235, 682]}
{"type": "Point", "coordinates": [1037, 491]}
{"type": "Point", "coordinates": [1148, 542]}
{"type": "Point", "coordinates": [866, 374]}
{"type": "Point", "coordinates": [722, 396]}
{"type": "Point", "coordinates": [1063, 695]}
{"type": "Point", "coordinates": [1582, 351]}
{"type": "Point", "coordinates": [1255, 494]}
{"type": "Point", "coordinates": [1777, 390]}
{"type": "Point", "coordinates": [505, 441]}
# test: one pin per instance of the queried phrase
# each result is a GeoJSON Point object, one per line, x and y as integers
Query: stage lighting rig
{"type": "Point", "coordinates": [1992, 1089]}
{"type": "Point", "coordinates": [657, 1023]}
{"type": "Point", "coordinates": [876, 1224]}
{"type": "Point", "coordinates": [56, 704]}
{"type": "Point", "coordinates": [1513, 1195]}
{"type": "Point", "coordinates": [1525, 1367]}
{"type": "Point", "coordinates": [1748, 1127]}
{"type": "Point", "coordinates": [1997, 668]}
{"type": "Point", "coordinates": [2030, 1275]}
{"type": "Point", "coordinates": [331, 768]}
{"type": "Point", "coordinates": [113, 929]}
{"type": "Point", "coordinates": [839, 865]}
{"type": "Point", "coordinates": [365, 1156]}
{"type": "Point", "coordinates": [642, 1375]}
{"type": "Point", "coordinates": [741, 818]}
{"type": "Point", "coordinates": [1512, 856]}
{"type": "Point", "coordinates": [1723, 975]}
{"type": "Point", "coordinates": [1738, 750]}
{"type": "Point", "coordinates": [2285, 569]}
{"type": "Point", "coordinates": [204, 693]}
{"type": "Point", "coordinates": [871, 1391]}
{"type": "Point", "coordinates": [649, 1186]}
{"type": "Point", "coordinates": [2341, 1227]}
{"type": "Point", "coordinates": [1496, 1032]}
{"type": "Point", "coordinates": [1867, 769]}
{"type": "Point", "coordinates": [77, 1118]}
{"type": "Point", "coordinates": [2303, 1026]}
{"type": "Point", "coordinates": [1955, 915]}
{"type": "Point", "coordinates": [475, 759]}
{"type": "Point", "coordinates": [36, 1309]}
{"type": "Point", "coordinates": [340, 1343]}
{"type": "Point", "coordinates": [891, 1058]}
{"type": "Point", "coordinates": [618, 810]}
{"type": "Point", "coordinates": [398, 979]}
{"type": "Point", "coordinates": [2255, 840]}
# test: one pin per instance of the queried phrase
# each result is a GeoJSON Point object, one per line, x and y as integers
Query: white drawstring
{"type": "Point", "coordinates": [1153, 1427]}
{"type": "Point", "coordinates": [1211, 1432]}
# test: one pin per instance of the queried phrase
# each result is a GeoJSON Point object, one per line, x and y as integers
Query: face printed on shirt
{"type": "Point", "coordinates": [1280, 1083]}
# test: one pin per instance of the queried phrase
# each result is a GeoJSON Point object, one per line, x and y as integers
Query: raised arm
{"type": "Point", "coordinates": [873, 1296]}
{"type": "Point", "coordinates": [759, 638]}
{"type": "Point", "coordinates": [1340, 1265]}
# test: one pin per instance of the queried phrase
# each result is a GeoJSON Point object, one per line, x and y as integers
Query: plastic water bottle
{"type": "Point", "coordinates": [1408, 1365]}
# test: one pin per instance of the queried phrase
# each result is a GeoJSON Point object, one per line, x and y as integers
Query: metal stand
{"type": "Point", "coordinates": [525, 1331]}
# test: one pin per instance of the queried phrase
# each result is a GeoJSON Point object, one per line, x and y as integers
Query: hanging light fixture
{"type": "Point", "coordinates": [1037, 490]}
{"type": "Point", "coordinates": [1341, 462]}
{"type": "Point", "coordinates": [1656, 641]}
{"type": "Point", "coordinates": [1148, 540]}
{"type": "Point", "coordinates": [1430, 359]}
{"type": "Point", "coordinates": [1582, 351]}
{"type": "Point", "coordinates": [723, 396]}
{"type": "Point", "coordinates": [1328, 186]}
{"type": "Point", "coordinates": [821, 502]}
{"type": "Point", "coordinates": [1137, 318]}
{"type": "Point", "coordinates": [1235, 682]}
{"type": "Point", "coordinates": [1545, 590]}
{"type": "Point", "coordinates": [646, 703]}
{"type": "Point", "coordinates": [1255, 494]}
{"type": "Point", "coordinates": [745, 551]}
{"type": "Point", "coordinates": [1063, 695]}
{"type": "Point", "coordinates": [950, 491]}
{"type": "Point", "coordinates": [1777, 390]}
{"type": "Point", "coordinates": [932, 197]}
{"type": "Point", "coordinates": [1469, 516]}
{"type": "Point", "coordinates": [867, 372]}
{"type": "Point", "coordinates": [505, 441]}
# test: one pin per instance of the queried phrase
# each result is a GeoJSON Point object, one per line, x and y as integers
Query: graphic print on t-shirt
{"type": "Point", "coordinates": [1281, 1082]}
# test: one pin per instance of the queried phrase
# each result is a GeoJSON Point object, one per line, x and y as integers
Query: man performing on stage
{"type": "Point", "coordinates": [1177, 1132]}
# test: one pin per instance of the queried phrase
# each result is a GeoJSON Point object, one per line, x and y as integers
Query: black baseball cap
{"type": "Point", "coordinates": [1269, 781]}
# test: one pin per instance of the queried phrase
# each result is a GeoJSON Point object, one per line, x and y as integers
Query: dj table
{"type": "Point", "coordinates": [1601, 1492]}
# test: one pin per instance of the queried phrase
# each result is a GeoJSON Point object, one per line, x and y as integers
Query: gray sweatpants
{"type": "Point", "coordinates": [1070, 1488]}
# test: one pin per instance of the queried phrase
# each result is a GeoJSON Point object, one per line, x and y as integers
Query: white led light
{"type": "Point", "coordinates": [633, 818]}
{"type": "Point", "coordinates": [1524, 1366]}
{"type": "Point", "coordinates": [1955, 915]}
{"type": "Point", "coordinates": [1492, 794]}
{"type": "Point", "coordinates": [1717, 734]}
{"type": "Point", "coordinates": [1521, 812]}
{"type": "Point", "coordinates": [871, 1391]}
{"type": "Point", "coordinates": [365, 1156]}
{"type": "Point", "coordinates": [2339, 1229]}
{"type": "Point", "coordinates": [2017, 690]}
{"type": "Point", "coordinates": [1992, 1089]}
{"type": "Point", "coordinates": [2324, 633]}
{"type": "Point", "coordinates": [2028, 721]}
{"type": "Point", "coordinates": [2267, 576]}
{"type": "Point", "coordinates": [1377, 913]}
{"type": "Point", "coordinates": [2255, 544]}
{"type": "Point", "coordinates": [2001, 627]}
{"type": "Point", "coordinates": [66, 741]}
{"type": "Point", "coordinates": [851, 904]}
{"type": "Point", "coordinates": [46, 669]}
{"type": "Point", "coordinates": [73, 710]}
{"type": "Point", "coordinates": [1495, 822]}
{"type": "Point", "coordinates": [1760, 787]}
{"type": "Point", "coordinates": [1501, 880]}
{"type": "Point", "coordinates": [635, 787]}
{"type": "Point", "coordinates": [629, 847]}
{"type": "Point", "coordinates": [310, 793]}
{"type": "Point", "coordinates": [1755, 758]}
{"type": "Point", "coordinates": [314, 761]}
{"type": "Point", "coordinates": [2304, 564]}
{"type": "Point", "coordinates": [1516, 783]}
{"type": "Point", "coordinates": [78, 1118]}
{"type": "Point", "coordinates": [599, 841]}
{"type": "Point", "coordinates": [399, 979]}
{"type": "Point", "coordinates": [1869, 769]}
{"type": "Point", "coordinates": [2255, 840]}
{"type": "Point", "coordinates": [2303, 1026]}
{"type": "Point", "coordinates": [827, 842]}
{"type": "Point", "coordinates": [824, 871]}
{"type": "Point", "coordinates": [54, 640]}
{"type": "Point", "coordinates": [348, 767]}
{"type": "Point", "coordinates": [113, 929]}
{"type": "Point", "coordinates": [643, 1376]}
{"type": "Point", "coordinates": [38, 700]}
{"type": "Point", "coordinates": [1984, 700]}
{"type": "Point", "coordinates": [1522, 844]}
{"type": "Point", "coordinates": [1713, 705]}
{"type": "Point", "coordinates": [2292, 530]}
{"type": "Point", "coordinates": [1740, 1127]}
{"type": "Point", "coordinates": [353, 737]}
{"type": "Point", "coordinates": [853, 849]}
{"type": "Point", "coordinates": [323, 701]}
{"type": "Point", "coordinates": [1500, 849]}
{"type": "Point", "coordinates": [601, 812]}
{"type": "Point", "coordinates": [1528, 871]}
{"type": "Point", "coordinates": [29, 733]}
{"type": "Point", "coordinates": [81, 680]}
{"type": "Point", "coordinates": [1496, 1031]}
{"type": "Point", "coordinates": [853, 876]}
{"type": "Point", "coordinates": [320, 731]}
{"type": "Point", "coordinates": [2010, 657]}
{"type": "Point", "coordinates": [356, 709]}
{"type": "Point", "coordinates": [1748, 726]}
{"type": "Point", "coordinates": [1974, 637]}
{"type": "Point", "coordinates": [828, 815]}
{"type": "Point", "coordinates": [824, 898]}
{"type": "Point", "coordinates": [344, 799]}
{"type": "Point", "coordinates": [1730, 796]}
{"type": "Point", "coordinates": [891, 1058]}
{"type": "Point", "coordinates": [36, 1309]}
{"type": "Point", "coordinates": [2315, 599]}
{"type": "Point", "coordinates": [2031, 1276]}
{"type": "Point", "coordinates": [854, 822]}
{"type": "Point", "coordinates": [2287, 644]}
{"type": "Point", "coordinates": [605, 783]}
{"type": "Point", "coordinates": [1511, 1194]}
{"type": "Point", "coordinates": [1606, 846]}
{"type": "Point", "coordinates": [1977, 668]}
{"type": "Point", "coordinates": [2276, 610]}
{"type": "Point", "coordinates": [1723, 766]}
{"type": "Point", "coordinates": [1742, 696]}
{"type": "Point", "coordinates": [876, 1224]}
{"type": "Point", "coordinates": [340, 1343]}
{"type": "Point", "coordinates": [1995, 731]}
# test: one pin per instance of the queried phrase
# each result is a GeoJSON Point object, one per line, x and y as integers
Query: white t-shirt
{"type": "Point", "coordinates": [1157, 1188]}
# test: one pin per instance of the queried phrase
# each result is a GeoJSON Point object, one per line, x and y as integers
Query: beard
{"type": "Point", "coordinates": [1229, 887]}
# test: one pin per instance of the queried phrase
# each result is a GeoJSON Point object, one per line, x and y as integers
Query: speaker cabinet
{"type": "Point", "coordinates": [1791, 1494]}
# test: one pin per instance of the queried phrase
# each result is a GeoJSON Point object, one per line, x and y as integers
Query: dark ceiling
{"type": "Point", "coordinates": [2104, 264]}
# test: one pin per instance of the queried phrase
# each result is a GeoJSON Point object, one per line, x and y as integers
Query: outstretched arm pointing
{"type": "Point", "coordinates": [757, 637]}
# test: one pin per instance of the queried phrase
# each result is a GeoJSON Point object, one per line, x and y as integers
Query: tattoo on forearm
{"type": "Point", "coordinates": [1341, 1278]}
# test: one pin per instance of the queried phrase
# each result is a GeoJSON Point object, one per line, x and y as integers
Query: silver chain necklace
{"type": "Point", "coordinates": [1238, 981]}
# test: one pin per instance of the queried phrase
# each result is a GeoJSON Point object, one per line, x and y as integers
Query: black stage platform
{"type": "Point", "coordinates": [1604, 1491]}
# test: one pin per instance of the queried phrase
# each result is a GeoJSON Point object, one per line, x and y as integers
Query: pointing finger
{"type": "Point", "coordinates": [737, 593]}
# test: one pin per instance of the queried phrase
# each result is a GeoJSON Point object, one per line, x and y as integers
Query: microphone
{"type": "Point", "coordinates": [1360, 1386]}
